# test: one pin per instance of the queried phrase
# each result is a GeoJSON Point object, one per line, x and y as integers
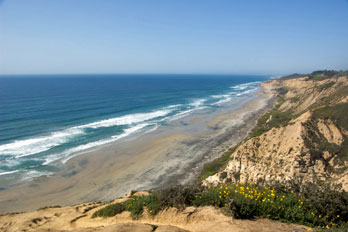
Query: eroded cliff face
{"type": "Point", "coordinates": [310, 145]}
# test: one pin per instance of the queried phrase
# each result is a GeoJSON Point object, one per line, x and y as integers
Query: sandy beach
{"type": "Point", "coordinates": [168, 155]}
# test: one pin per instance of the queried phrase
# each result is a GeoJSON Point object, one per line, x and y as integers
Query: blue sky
{"type": "Point", "coordinates": [172, 36]}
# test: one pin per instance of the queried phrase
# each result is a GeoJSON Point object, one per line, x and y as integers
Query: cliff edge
{"type": "Point", "coordinates": [304, 138]}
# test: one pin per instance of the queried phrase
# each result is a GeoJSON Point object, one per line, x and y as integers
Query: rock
{"type": "Point", "coordinates": [189, 210]}
{"type": "Point", "coordinates": [136, 193]}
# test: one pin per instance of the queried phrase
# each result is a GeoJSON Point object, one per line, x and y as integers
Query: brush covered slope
{"type": "Point", "coordinates": [139, 214]}
{"type": "Point", "coordinates": [304, 138]}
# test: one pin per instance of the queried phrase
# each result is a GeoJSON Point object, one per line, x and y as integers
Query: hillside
{"type": "Point", "coordinates": [304, 138]}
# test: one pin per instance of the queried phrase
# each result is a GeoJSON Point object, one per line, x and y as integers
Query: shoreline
{"type": "Point", "coordinates": [165, 157]}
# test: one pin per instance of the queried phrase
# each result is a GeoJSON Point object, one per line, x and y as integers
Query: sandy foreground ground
{"type": "Point", "coordinates": [166, 156]}
{"type": "Point", "coordinates": [78, 218]}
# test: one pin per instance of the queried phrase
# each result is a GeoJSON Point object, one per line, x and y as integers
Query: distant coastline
{"type": "Point", "coordinates": [47, 121]}
{"type": "Point", "coordinates": [171, 154]}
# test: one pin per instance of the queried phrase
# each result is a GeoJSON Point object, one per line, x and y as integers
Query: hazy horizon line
{"type": "Point", "coordinates": [88, 74]}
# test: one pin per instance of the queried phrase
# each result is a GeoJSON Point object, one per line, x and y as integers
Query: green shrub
{"type": "Point", "coordinates": [216, 165]}
{"type": "Point", "coordinates": [322, 75]}
{"type": "Point", "coordinates": [313, 205]}
{"type": "Point", "coordinates": [246, 207]}
{"type": "Point", "coordinates": [119, 208]}
{"type": "Point", "coordinates": [209, 197]}
{"type": "Point", "coordinates": [338, 115]}
{"type": "Point", "coordinates": [135, 205]}
{"type": "Point", "coordinates": [153, 204]}
{"type": "Point", "coordinates": [273, 118]}
{"type": "Point", "coordinates": [108, 211]}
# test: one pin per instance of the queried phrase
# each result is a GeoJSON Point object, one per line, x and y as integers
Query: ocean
{"type": "Point", "coordinates": [46, 120]}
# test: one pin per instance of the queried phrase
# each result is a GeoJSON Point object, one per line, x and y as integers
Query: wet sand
{"type": "Point", "coordinates": [167, 156]}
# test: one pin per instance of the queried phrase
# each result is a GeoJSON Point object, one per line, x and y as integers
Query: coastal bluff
{"type": "Point", "coordinates": [304, 138]}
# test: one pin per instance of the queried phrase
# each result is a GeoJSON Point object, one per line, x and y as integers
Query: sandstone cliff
{"type": "Point", "coordinates": [304, 137]}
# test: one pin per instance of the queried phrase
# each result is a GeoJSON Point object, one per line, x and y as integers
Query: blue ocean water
{"type": "Point", "coordinates": [44, 120]}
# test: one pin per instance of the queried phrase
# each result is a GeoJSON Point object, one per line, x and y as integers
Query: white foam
{"type": "Point", "coordinates": [127, 119]}
{"type": "Point", "coordinates": [26, 147]}
{"type": "Point", "coordinates": [130, 131]}
{"type": "Point", "coordinates": [34, 173]}
{"type": "Point", "coordinates": [152, 129]}
{"type": "Point", "coordinates": [184, 113]}
{"type": "Point", "coordinates": [66, 155]}
{"type": "Point", "coordinates": [222, 101]}
{"type": "Point", "coordinates": [239, 87]}
{"type": "Point", "coordinates": [198, 102]}
{"type": "Point", "coordinates": [173, 106]}
{"type": "Point", "coordinates": [194, 105]}
{"type": "Point", "coordinates": [245, 85]}
{"type": "Point", "coordinates": [10, 162]}
{"type": "Point", "coordinates": [246, 92]}
{"type": "Point", "coordinates": [220, 96]}
{"type": "Point", "coordinates": [248, 87]}
{"type": "Point", "coordinates": [9, 172]}
{"type": "Point", "coordinates": [51, 158]}
{"type": "Point", "coordinates": [180, 115]}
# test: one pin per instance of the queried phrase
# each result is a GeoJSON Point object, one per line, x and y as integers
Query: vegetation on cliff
{"type": "Point", "coordinates": [273, 118]}
{"type": "Point", "coordinates": [304, 138]}
{"type": "Point", "coordinates": [312, 205]}
{"type": "Point", "coordinates": [216, 165]}
{"type": "Point", "coordinates": [338, 114]}
{"type": "Point", "coordinates": [306, 130]}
